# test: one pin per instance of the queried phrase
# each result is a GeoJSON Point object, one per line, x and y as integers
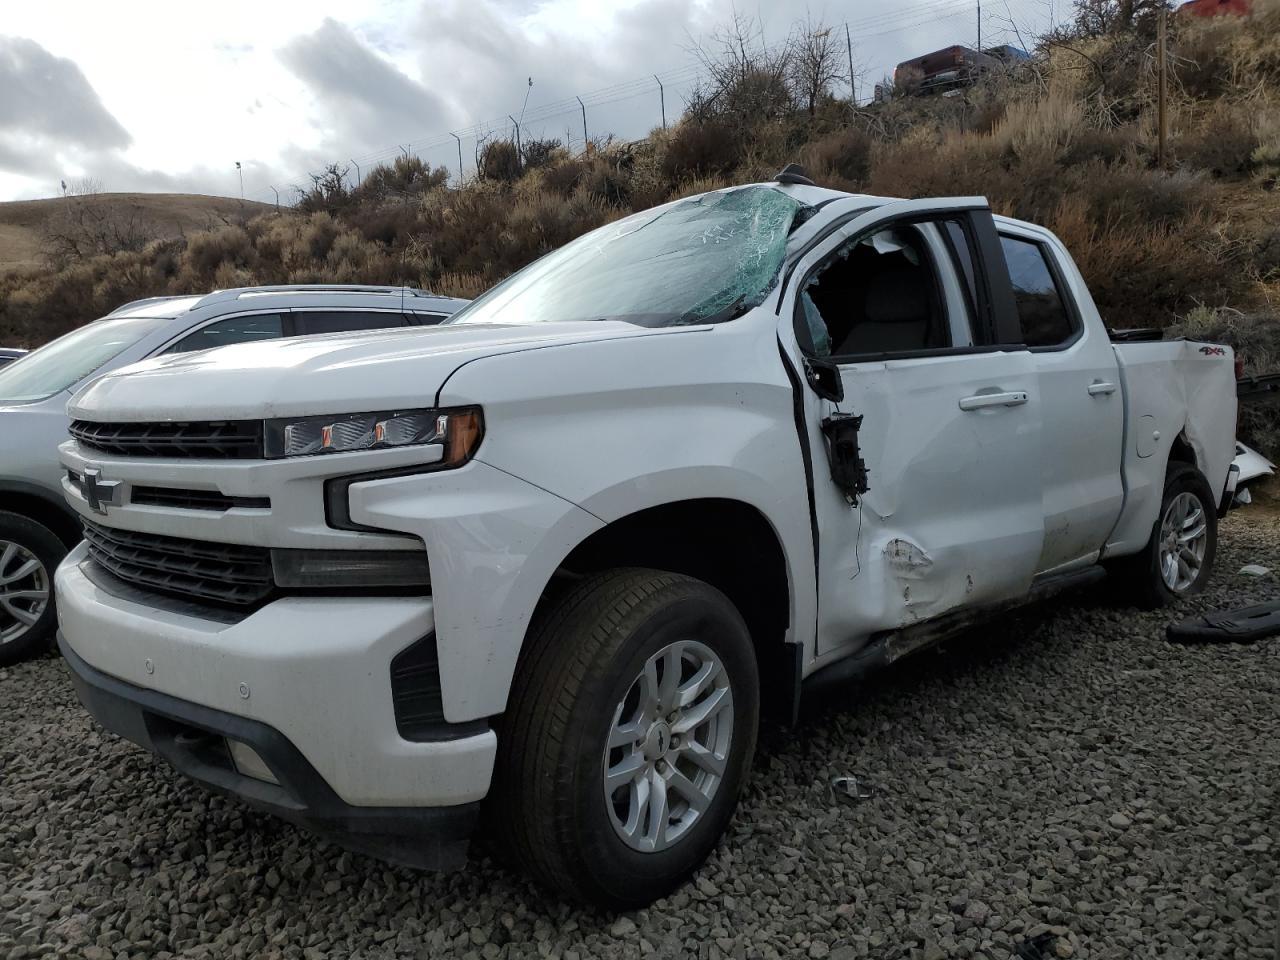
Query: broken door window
{"type": "Point", "coordinates": [879, 294]}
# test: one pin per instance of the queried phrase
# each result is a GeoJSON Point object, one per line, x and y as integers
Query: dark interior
{"type": "Point", "coordinates": [873, 302]}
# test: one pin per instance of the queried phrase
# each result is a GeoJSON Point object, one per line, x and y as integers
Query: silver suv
{"type": "Point", "coordinates": [37, 528]}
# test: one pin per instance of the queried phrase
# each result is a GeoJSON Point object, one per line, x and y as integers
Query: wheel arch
{"type": "Point", "coordinates": [36, 503]}
{"type": "Point", "coordinates": [1181, 450]}
{"type": "Point", "coordinates": [727, 543]}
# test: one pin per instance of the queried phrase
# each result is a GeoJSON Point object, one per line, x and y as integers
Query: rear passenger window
{"type": "Point", "coordinates": [262, 326]}
{"type": "Point", "coordinates": [1042, 310]}
{"type": "Point", "coordinates": [341, 321]}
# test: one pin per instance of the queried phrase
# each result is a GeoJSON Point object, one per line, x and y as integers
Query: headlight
{"type": "Point", "coordinates": [458, 430]}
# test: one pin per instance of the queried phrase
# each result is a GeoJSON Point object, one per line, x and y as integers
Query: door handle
{"type": "Point", "coordinates": [1100, 388]}
{"type": "Point", "coordinates": [981, 400]}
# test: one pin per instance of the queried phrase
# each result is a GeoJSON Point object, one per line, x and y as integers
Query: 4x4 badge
{"type": "Point", "coordinates": [98, 493]}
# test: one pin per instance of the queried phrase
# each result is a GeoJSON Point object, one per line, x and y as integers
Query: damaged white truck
{"type": "Point", "coordinates": [530, 576]}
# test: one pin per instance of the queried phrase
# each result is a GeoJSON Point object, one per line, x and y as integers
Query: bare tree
{"type": "Point", "coordinates": [1096, 18]}
{"type": "Point", "coordinates": [83, 187]}
{"type": "Point", "coordinates": [818, 61]}
{"type": "Point", "coordinates": [88, 222]}
{"type": "Point", "coordinates": [746, 81]}
{"type": "Point", "coordinates": [328, 190]}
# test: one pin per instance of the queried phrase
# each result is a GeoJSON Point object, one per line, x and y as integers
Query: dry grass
{"type": "Point", "coordinates": [167, 215]}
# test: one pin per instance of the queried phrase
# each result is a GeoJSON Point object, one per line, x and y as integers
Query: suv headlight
{"type": "Point", "coordinates": [458, 430]}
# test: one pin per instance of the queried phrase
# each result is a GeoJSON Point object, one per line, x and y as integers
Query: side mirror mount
{"type": "Point", "coordinates": [824, 379]}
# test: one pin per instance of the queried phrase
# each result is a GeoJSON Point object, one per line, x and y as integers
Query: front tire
{"type": "Point", "coordinates": [1178, 557]}
{"type": "Point", "coordinates": [29, 554]}
{"type": "Point", "coordinates": [630, 728]}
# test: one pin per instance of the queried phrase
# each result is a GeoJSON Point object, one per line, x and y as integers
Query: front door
{"type": "Point", "coordinates": [882, 315]}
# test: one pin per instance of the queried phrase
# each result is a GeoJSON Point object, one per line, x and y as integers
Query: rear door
{"type": "Point", "coordinates": [892, 319]}
{"type": "Point", "coordinates": [1083, 405]}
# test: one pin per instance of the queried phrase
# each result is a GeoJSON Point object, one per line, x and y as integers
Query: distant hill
{"type": "Point", "coordinates": [166, 214]}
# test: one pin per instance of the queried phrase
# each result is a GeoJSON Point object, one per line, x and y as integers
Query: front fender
{"type": "Point", "coordinates": [493, 542]}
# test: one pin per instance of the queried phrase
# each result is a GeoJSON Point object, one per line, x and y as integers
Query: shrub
{"type": "Point", "coordinates": [700, 148]}
{"type": "Point", "coordinates": [406, 177]}
{"type": "Point", "coordinates": [1222, 145]}
{"type": "Point", "coordinates": [207, 251]}
{"type": "Point", "coordinates": [500, 161]}
{"type": "Point", "coordinates": [841, 159]}
{"type": "Point", "coordinates": [538, 153]}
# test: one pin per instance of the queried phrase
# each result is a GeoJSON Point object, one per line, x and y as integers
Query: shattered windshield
{"type": "Point", "coordinates": [702, 260]}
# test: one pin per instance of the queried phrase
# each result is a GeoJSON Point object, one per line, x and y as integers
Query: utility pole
{"type": "Point", "coordinates": [405, 151]}
{"type": "Point", "coordinates": [277, 193]}
{"type": "Point", "coordinates": [241, 172]}
{"type": "Point", "coordinates": [519, 152]}
{"type": "Point", "coordinates": [979, 33]}
{"type": "Point", "coordinates": [1162, 66]}
{"type": "Point", "coordinates": [460, 173]}
{"type": "Point", "coordinates": [853, 84]}
{"type": "Point", "coordinates": [359, 175]}
{"type": "Point", "coordinates": [586, 144]}
{"type": "Point", "coordinates": [662, 99]}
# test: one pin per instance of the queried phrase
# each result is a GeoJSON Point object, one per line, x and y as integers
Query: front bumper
{"type": "Point", "coordinates": [315, 669]}
{"type": "Point", "coordinates": [193, 738]}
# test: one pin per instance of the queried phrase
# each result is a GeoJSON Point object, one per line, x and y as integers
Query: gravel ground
{"type": "Point", "coordinates": [1074, 775]}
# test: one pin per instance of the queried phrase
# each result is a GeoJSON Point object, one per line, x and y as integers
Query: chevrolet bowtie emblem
{"type": "Point", "coordinates": [98, 493]}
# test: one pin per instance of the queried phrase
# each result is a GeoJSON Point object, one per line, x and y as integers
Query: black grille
{"type": "Point", "coordinates": [194, 499]}
{"type": "Point", "coordinates": [209, 439]}
{"type": "Point", "coordinates": [221, 573]}
{"type": "Point", "coordinates": [415, 691]}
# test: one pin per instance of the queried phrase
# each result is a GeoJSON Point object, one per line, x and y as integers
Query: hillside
{"type": "Point", "coordinates": [163, 215]}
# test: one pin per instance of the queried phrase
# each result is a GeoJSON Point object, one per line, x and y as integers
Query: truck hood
{"type": "Point", "coordinates": [338, 373]}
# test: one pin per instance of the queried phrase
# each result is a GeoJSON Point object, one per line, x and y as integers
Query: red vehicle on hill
{"type": "Point", "coordinates": [1213, 8]}
{"type": "Point", "coordinates": [953, 66]}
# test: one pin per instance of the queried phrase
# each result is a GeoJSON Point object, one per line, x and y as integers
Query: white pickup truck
{"type": "Point", "coordinates": [531, 574]}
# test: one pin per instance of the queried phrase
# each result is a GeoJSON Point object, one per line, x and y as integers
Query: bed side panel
{"type": "Point", "coordinates": [1175, 388]}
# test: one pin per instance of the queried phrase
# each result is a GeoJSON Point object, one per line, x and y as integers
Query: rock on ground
{"type": "Point", "coordinates": [1068, 775]}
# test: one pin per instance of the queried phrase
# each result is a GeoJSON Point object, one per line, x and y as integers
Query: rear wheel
{"type": "Point", "coordinates": [1178, 558]}
{"type": "Point", "coordinates": [29, 553]}
{"type": "Point", "coordinates": [631, 725]}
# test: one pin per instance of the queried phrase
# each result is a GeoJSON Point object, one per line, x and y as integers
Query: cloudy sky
{"type": "Point", "coordinates": [158, 95]}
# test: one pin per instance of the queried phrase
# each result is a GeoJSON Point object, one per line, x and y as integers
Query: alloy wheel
{"type": "Point", "coordinates": [1184, 538]}
{"type": "Point", "coordinates": [24, 590]}
{"type": "Point", "coordinates": [668, 746]}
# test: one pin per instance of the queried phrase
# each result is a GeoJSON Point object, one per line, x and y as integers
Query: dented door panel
{"type": "Point", "coordinates": [952, 514]}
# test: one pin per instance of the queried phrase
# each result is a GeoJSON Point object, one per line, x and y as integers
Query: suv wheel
{"type": "Point", "coordinates": [1178, 558]}
{"type": "Point", "coordinates": [631, 725]}
{"type": "Point", "coordinates": [29, 553]}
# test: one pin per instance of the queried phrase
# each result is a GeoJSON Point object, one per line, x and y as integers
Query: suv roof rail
{"type": "Point", "coordinates": [137, 303]}
{"type": "Point", "coordinates": [234, 293]}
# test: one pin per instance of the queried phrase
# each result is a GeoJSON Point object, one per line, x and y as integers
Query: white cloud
{"type": "Point", "coordinates": [170, 95]}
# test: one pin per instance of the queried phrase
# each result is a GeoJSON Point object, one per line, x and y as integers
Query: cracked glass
{"type": "Point", "coordinates": [707, 259]}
